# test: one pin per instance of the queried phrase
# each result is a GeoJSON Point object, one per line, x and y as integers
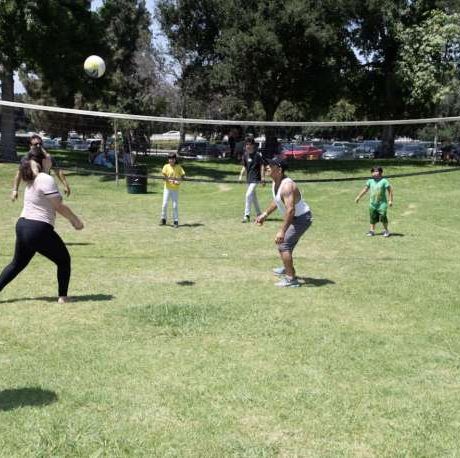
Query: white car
{"type": "Point", "coordinates": [79, 145]}
{"type": "Point", "coordinates": [49, 143]}
{"type": "Point", "coordinates": [175, 135]}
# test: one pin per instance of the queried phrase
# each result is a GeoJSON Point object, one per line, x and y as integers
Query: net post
{"type": "Point", "coordinates": [435, 144]}
{"type": "Point", "coordinates": [115, 124]}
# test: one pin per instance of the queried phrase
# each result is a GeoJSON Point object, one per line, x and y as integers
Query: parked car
{"type": "Point", "coordinates": [49, 143]}
{"type": "Point", "coordinates": [172, 135]}
{"type": "Point", "coordinates": [368, 149]}
{"type": "Point", "coordinates": [411, 150]}
{"type": "Point", "coordinates": [294, 151]}
{"type": "Point", "coordinates": [78, 145]}
{"type": "Point", "coordinates": [200, 149]}
{"type": "Point", "coordinates": [337, 152]}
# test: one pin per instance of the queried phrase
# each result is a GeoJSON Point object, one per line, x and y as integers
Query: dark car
{"type": "Point", "coordinates": [368, 149]}
{"type": "Point", "coordinates": [411, 151]}
{"type": "Point", "coordinates": [200, 149]}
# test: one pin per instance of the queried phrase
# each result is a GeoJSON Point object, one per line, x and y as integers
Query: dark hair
{"type": "Point", "coordinates": [249, 139]}
{"type": "Point", "coordinates": [34, 136]}
{"type": "Point", "coordinates": [174, 156]}
{"type": "Point", "coordinates": [36, 153]}
{"type": "Point", "coordinates": [278, 162]}
{"type": "Point", "coordinates": [29, 169]}
{"type": "Point", "coordinates": [377, 169]}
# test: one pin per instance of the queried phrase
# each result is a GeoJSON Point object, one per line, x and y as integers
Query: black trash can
{"type": "Point", "coordinates": [136, 179]}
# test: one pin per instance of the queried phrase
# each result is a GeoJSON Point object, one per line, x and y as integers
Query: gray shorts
{"type": "Point", "coordinates": [298, 227]}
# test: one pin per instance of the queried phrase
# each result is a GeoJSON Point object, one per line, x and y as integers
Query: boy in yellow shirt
{"type": "Point", "coordinates": [173, 175]}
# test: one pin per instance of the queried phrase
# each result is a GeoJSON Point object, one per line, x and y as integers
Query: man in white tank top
{"type": "Point", "coordinates": [297, 219]}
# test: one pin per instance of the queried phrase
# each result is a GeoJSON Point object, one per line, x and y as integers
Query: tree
{"type": "Point", "coordinates": [12, 24]}
{"type": "Point", "coordinates": [47, 41]}
{"type": "Point", "coordinates": [429, 61]}
{"type": "Point", "coordinates": [133, 82]}
{"type": "Point", "coordinates": [376, 31]}
{"type": "Point", "coordinates": [261, 51]}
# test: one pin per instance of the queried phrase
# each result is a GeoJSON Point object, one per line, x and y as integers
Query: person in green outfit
{"type": "Point", "coordinates": [379, 187]}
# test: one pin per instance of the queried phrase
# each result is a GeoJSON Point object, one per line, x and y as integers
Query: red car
{"type": "Point", "coordinates": [309, 152]}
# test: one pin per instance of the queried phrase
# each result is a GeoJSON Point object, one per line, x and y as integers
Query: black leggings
{"type": "Point", "coordinates": [38, 237]}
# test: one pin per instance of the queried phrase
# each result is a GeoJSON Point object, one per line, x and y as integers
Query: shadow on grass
{"type": "Point", "coordinates": [82, 298]}
{"type": "Point", "coordinates": [24, 397]}
{"type": "Point", "coordinates": [78, 243]}
{"type": "Point", "coordinates": [191, 225]}
{"type": "Point", "coordinates": [392, 234]}
{"type": "Point", "coordinates": [185, 283]}
{"type": "Point", "coordinates": [310, 282]}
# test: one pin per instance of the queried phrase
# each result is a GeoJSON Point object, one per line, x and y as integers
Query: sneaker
{"type": "Point", "coordinates": [162, 222]}
{"type": "Point", "coordinates": [176, 224]}
{"type": "Point", "coordinates": [370, 234]}
{"type": "Point", "coordinates": [245, 219]}
{"type": "Point", "coordinates": [386, 234]}
{"type": "Point", "coordinates": [279, 271]}
{"type": "Point", "coordinates": [288, 283]}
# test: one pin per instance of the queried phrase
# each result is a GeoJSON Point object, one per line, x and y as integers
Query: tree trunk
{"type": "Point", "coordinates": [388, 140]}
{"type": "Point", "coordinates": [7, 129]}
{"type": "Point", "coordinates": [271, 139]}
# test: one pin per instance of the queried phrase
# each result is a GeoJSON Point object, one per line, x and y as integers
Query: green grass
{"type": "Point", "coordinates": [178, 344]}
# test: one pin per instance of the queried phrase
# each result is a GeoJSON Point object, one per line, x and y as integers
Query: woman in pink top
{"type": "Point", "coordinates": [35, 227]}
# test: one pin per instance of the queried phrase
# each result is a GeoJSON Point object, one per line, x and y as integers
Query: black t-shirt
{"type": "Point", "coordinates": [252, 163]}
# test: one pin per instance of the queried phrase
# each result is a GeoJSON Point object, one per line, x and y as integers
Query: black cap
{"type": "Point", "coordinates": [278, 162]}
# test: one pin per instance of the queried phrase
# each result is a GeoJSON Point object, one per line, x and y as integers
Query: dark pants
{"type": "Point", "coordinates": [38, 237]}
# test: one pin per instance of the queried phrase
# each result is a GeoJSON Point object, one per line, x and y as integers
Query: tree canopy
{"type": "Point", "coordinates": [259, 59]}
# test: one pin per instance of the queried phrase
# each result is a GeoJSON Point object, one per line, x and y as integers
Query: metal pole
{"type": "Point", "coordinates": [116, 150]}
{"type": "Point", "coordinates": [435, 144]}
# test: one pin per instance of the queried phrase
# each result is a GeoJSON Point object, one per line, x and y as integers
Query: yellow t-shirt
{"type": "Point", "coordinates": [173, 173]}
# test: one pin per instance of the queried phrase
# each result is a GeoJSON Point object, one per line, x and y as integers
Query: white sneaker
{"type": "Point", "coordinates": [279, 271]}
{"type": "Point", "coordinates": [386, 234]}
{"type": "Point", "coordinates": [288, 283]}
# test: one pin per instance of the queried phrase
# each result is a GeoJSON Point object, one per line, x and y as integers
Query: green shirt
{"type": "Point", "coordinates": [377, 190]}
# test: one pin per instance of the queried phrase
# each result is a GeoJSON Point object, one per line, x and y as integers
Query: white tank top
{"type": "Point", "coordinates": [301, 207]}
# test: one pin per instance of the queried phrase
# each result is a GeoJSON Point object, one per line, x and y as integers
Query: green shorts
{"type": "Point", "coordinates": [377, 214]}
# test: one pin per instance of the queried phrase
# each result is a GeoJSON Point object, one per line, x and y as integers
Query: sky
{"type": "Point", "coordinates": [95, 4]}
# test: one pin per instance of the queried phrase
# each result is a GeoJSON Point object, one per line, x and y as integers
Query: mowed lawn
{"type": "Point", "coordinates": [179, 344]}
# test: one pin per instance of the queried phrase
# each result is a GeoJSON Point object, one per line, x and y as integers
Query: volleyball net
{"type": "Point", "coordinates": [110, 143]}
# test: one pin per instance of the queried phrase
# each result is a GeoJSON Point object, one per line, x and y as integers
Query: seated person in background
{"type": "Point", "coordinates": [93, 151]}
{"type": "Point", "coordinates": [103, 159]}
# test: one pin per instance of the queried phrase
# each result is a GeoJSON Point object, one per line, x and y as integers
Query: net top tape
{"type": "Point", "coordinates": [102, 114]}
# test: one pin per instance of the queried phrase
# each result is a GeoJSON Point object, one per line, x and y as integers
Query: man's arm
{"type": "Point", "coordinates": [263, 216]}
{"type": "Point", "coordinates": [289, 202]}
{"type": "Point", "coordinates": [16, 183]}
{"type": "Point", "coordinates": [63, 180]}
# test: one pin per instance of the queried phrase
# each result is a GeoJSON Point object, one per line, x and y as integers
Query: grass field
{"type": "Point", "coordinates": [178, 344]}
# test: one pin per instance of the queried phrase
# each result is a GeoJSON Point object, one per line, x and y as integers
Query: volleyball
{"type": "Point", "coordinates": [94, 66]}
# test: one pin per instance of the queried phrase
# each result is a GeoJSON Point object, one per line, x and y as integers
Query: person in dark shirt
{"type": "Point", "coordinates": [36, 149]}
{"type": "Point", "coordinates": [253, 166]}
